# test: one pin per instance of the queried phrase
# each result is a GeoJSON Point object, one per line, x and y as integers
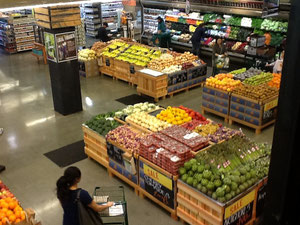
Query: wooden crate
{"type": "Point", "coordinates": [121, 165]}
{"type": "Point", "coordinates": [95, 146]}
{"type": "Point", "coordinates": [133, 76]}
{"type": "Point", "coordinates": [254, 114]}
{"type": "Point", "coordinates": [216, 102]}
{"type": "Point", "coordinates": [152, 86]}
{"type": "Point", "coordinates": [186, 86]}
{"type": "Point", "coordinates": [121, 70]}
{"type": "Point", "coordinates": [158, 185]}
{"type": "Point", "coordinates": [58, 16]}
{"type": "Point", "coordinates": [107, 66]}
{"type": "Point", "coordinates": [198, 209]}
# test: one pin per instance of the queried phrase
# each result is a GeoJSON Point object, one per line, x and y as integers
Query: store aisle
{"type": "Point", "coordinates": [32, 128]}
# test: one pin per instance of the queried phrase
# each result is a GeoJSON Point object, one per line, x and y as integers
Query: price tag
{"type": "Point", "coordinates": [190, 136]}
{"type": "Point", "coordinates": [107, 62]}
{"type": "Point", "coordinates": [132, 70]}
{"type": "Point", "coordinates": [271, 105]}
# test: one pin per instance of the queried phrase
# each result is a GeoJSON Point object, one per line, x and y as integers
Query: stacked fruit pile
{"type": "Point", "coordinates": [174, 116]}
{"type": "Point", "coordinates": [247, 74]}
{"type": "Point", "coordinates": [115, 48]}
{"type": "Point", "coordinates": [103, 123]}
{"type": "Point", "coordinates": [178, 59]}
{"type": "Point", "coordinates": [262, 78]}
{"type": "Point", "coordinates": [275, 82]}
{"type": "Point", "coordinates": [139, 107]}
{"type": "Point", "coordinates": [98, 47]}
{"type": "Point", "coordinates": [195, 115]}
{"type": "Point", "coordinates": [223, 82]}
{"type": "Point", "coordinates": [10, 210]}
{"type": "Point", "coordinates": [195, 123]}
{"type": "Point", "coordinates": [259, 93]}
{"type": "Point", "coordinates": [86, 55]}
{"type": "Point", "coordinates": [225, 170]}
{"type": "Point", "coordinates": [147, 121]}
{"type": "Point", "coordinates": [126, 137]}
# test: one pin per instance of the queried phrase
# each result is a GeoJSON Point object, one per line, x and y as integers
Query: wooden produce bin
{"type": "Point", "coordinates": [89, 68]}
{"type": "Point", "coordinates": [107, 67]}
{"type": "Point", "coordinates": [216, 102]}
{"type": "Point", "coordinates": [58, 16]}
{"type": "Point", "coordinates": [121, 70]}
{"type": "Point", "coordinates": [95, 146]}
{"type": "Point", "coordinates": [251, 113]}
{"type": "Point", "coordinates": [122, 164]}
{"type": "Point", "coordinates": [158, 185]}
{"type": "Point", "coordinates": [197, 208]}
{"type": "Point", "coordinates": [133, 76]}
{"type": "Point", "coordinates": [152, 83]}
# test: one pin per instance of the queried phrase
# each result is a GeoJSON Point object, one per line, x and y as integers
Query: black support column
{"type": "Point", "coordinates": [284, 176]}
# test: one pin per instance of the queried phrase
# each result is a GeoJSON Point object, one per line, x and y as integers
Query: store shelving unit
{"type": "Point", "coordinates": [16, 33]}
{"type": "Point", "coordinates": [182, 24]}
{"type": "Point", "coordinates": [98, 13]}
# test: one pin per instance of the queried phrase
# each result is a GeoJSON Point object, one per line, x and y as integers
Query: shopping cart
{"type": "Point", "coordinates": [116, 215]}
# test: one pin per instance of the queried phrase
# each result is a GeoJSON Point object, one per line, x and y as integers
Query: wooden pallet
{"type": "Point", "coordinates": [258, 129]}
{"type": "Point", "coordinates": [205, 109]}
{"type": "Point", "coordinates": [186, 89]}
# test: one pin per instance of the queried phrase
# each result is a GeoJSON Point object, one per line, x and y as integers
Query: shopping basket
{"type": "Point", "coordinates": [116, 194]}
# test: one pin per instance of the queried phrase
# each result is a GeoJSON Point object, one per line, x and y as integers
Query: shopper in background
{"type": "Point", "coordinates": [278, 64]}
{"type": "Point", "coordinates": [196, 39]}
{"type": "Point", "coordinates": [67, 189]}
{"type": "Point", "coordinates": [103, 34]}
{"type": "Point", "coordinates": [161, 28]}
{"type": "Point", "coordinates": [219, 51]}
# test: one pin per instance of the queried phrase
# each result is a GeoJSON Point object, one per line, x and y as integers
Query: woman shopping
{"type": "Point", "coordinates": [162, 38]}
{"type": "Point", "coordinates": [218, 55]}
{"type": "Point", "coordinates": [67, 192]}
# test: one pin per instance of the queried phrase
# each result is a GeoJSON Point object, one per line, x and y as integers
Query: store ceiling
{"type": "Point", "coordinates": [4, 4]}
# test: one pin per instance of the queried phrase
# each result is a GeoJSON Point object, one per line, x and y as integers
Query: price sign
{"type": "Point", "coordinates": [132, 70]}
{"type": "Point", "coordinates": [271, 105]}
{"type": "Point", "coordinates": [107, 62]}
{"type": "Point", "coordinates": [115, 153]}
{"type": "Point", "coordinates": [159, 186]}
{"type": "Point", "coordinates": [241, 211]}
{"type": "Point", "coordinates": [260, 201]}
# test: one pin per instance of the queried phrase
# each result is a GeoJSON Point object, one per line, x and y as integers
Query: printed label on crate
{"type": "Point", "coordinates": [115, 153]}
{"type": "Point", "coordinates": [241, 211]}
{"type": "Point", "coordinates": [271, 105]}
{"type": "Point", "coordinates": [107, 62]}
{"type": "Point", "coordinates": [159, 191]}
{"type": "Point", "coordinates": [190, 136]}
{"type": "Point", "coordinates": [155, 175]}
{"type": "Point", "coordinates": [132, 70]}
{"type": "Point", "coordinates": [260, 201]}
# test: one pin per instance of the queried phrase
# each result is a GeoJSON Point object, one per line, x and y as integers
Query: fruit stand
{"type": "Point", "coordinates": [246, 97]}
{"type": "Point", "coordinates": [194, 168]}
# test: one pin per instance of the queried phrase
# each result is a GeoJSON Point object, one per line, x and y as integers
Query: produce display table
{"type": "Point", "coordinates": [251, 113]}
{"type": "Point", "coordinates": [95, 146]}
{"type": "Point", "coordinates": [158, 185]}
{"type": "Point", "coordinates": [216, 101]}
{"type": "Point", "coordinates": [197, 208]}
{"type": "Point", "coordinates": [122, 164]}
{"type": "Point", "coordinates": [152, 83]}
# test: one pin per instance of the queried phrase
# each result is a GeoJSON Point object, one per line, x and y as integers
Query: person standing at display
{"type": "Point", "coordinates": [161, 27]}
{"type": "Point", "coordinates": [102, 33]}
{"type": "Point", "coordinates": [278, 64]}
{"type": "Point", "coordinates": [219, 51]}
{"type": "Point", "coordinates": [67, 190]}
{"type": "Point", "coordinates": [196, 39]}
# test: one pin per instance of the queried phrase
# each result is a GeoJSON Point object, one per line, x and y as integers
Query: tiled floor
{"type": "Point", "coordinates": [32, 128]}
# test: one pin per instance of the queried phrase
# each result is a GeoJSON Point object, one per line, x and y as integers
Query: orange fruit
{"type": "Point", "coordinates": [18, 214]}
{"type": "Point", "coordinates": [9, 213]}
{"type": "Point", "coordinates": [4, 220]}
{"type": "Point", "coordinates": [4, 205]}
{"type": "Point", "coordinates": [17, 221]}
{"type": "Point", "coordinates": [22, 215]}
{"type": "Point", "coordinates": [12, 205]}
{"type": "Point", "coordinates": [12, 218]}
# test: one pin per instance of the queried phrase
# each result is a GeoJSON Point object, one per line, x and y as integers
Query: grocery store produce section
{"type": "Point", "coordinates": [167, 71]}
{"type": "Point", "coordinates": [191, 166]}
{"type": "Point", "coordinates": [234, 28]}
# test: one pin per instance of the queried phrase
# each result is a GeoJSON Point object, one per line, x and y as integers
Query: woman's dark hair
{"type": "Point", "coordinates": [105, 24]}
{"type": "Point", "coordinates": [63, 184]}
{"type": "Point", "coordinates": [159, 19]}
